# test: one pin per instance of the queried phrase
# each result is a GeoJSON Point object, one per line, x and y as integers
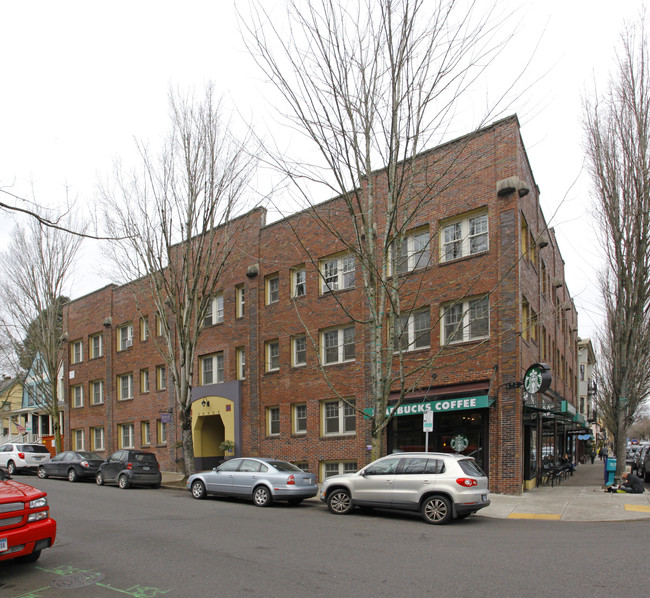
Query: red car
{"type": "Point", "coordinates": [26, 527]}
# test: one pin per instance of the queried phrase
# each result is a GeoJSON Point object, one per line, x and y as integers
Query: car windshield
{"type": "Point", "coordinates": [89, 455]}
{"type": "Point", "coordinates": [284, 466]}
{"type": "Point", "coordinates": [34, 448]}
{"type": "Point", "coordinates": [471, 467]}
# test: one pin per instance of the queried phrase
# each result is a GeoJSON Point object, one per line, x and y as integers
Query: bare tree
{"type": "Point", "coordinates": [36, 269]}
{"type": "Point", "coordinates": [617, 130]}
{"type": "Point", "coordinates": [370, 85]}
{"type": "Point", "coordinates": [179, 219]}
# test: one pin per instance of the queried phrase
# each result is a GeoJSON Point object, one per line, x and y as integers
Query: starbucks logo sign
{"type": "Point", "coordinates": [459, 443]}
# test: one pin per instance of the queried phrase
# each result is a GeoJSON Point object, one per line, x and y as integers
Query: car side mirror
{"type": "Point", "coordinates": [362, 473]}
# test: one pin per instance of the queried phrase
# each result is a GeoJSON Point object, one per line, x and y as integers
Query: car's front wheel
{"type": "Point", "coordinates": [198, 489]}
{"type": "Point", "coordinates": [123, 482]}
{"type": "Point", "coordinates": [436, 510]}
{"type": "Point", "coordinates": [339, 501]}
{"type": "Point", "coordinates": [262, 496]}
{"type": "Point", "coordinates": [99, 478]}
{"type": "Point", "coordinates": [11, 468]}
{"type": "Point", "coordinates": [72, 475]}
{"type": "Point", "coordinates": [41, 473]}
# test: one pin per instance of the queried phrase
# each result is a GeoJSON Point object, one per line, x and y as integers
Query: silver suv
{"type": "Point", "coordinates": [17, 456]}
{"type": "Point", "coordinates": [439, 485]}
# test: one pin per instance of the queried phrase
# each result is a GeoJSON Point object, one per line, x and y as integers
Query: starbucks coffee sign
{"type": "Point", "coordinates": [538, 378]}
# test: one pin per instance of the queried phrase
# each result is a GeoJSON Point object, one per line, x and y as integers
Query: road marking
{"type": "Point", "coordinates": [548, 516]}
{"type": "Point", "coordinates": [638, 508]}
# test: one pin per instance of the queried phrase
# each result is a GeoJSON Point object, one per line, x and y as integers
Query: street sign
{"type": "Point", "coordinates": [427, 421]}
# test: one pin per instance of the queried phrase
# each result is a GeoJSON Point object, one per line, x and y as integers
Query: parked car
{"type": "Point", "coordinates": [441, 486]}
{"type": "Point", "coordinates": [26, 527]}
{"type": "Point", "coordinates": [260, 480]}
{"type": "Point", "coordinates": [642, 464]}
{"type": "Point", "coordinates": [130, 468]}
{"type": "Point", "coordinates": [74, 465]}
{"type": "Point", "coordinates": [632, 453]}
{"type": "Point", "coordinates": [18, 456]}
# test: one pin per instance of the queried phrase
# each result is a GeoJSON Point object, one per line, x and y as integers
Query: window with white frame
{"type": "Point", "coordinates": [413, 331]}
{"type": "Point", "coordinates": [97, 436]}
{"type": "Point", "coordinates": [76, 351]}
{"type": "Point", "coordinates": [331, 468]}
{"type": "Point", "coordinates": [299, 350]}
{"type": "Point", "coordinates": [125, 336]}
{"type": "Point", "coordinates": [96, 346]}
{"type": "Point", "coordinates": [339, 417]}
{"type": "Point", "coordinates": [215, 311]}
{"type": "Point", "coordinates": [145, 429]}
{"type": "Point", "coordinates": [241, 363]}
{"type": "Point", "coordinates": [159, 325]}
{"type": "Point", "coordinates": [125, 387]}
{"type": "Point", "coordinates": [212, 371]}
{"type": "Point", "coordinates": [338, 345]}
{"type": "Point", "coordinates": [299, 282]}
{"type": "Point", "coordinates": [464, 237]}
{"type": "Point", "coordinates": [300, 419]}
{"type": "Point", "coordinates": [272, 284]}
{"type": "Point", "coordinates": [144, 381]}
{"type": "Point", "coordinates": [97, 392]}
{"type": "Point", "coordinates": [162, 432]}
{"type": "Point", "coordinates": [126, 436]}
{"type": "Point", "coordinates": [272, 421]}
{"type": "Point", "coordinates": [412, 253]}
{"type": "Point", "coordinates": [144, 328]}
{"type": "Point", "coordinates": [78, 395]}
{"type": "Point", "coordinates": [240, 301]}
{"type": "Point", "coordinates": [272, 355]}
{"type": "Point", "coordinates": [161, 377]}
{"type": "Point", "coordinates": [466, 320]}
{"type": "Point", "coordinates": [78, 440]}
{"type": "Point", "coordinates": [337, 273]}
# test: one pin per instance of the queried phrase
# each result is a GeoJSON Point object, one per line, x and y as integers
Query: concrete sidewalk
{"type": "Point", "coordinates": [582, 497]}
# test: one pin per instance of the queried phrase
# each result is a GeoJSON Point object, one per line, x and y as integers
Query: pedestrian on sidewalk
{"type": "Point", "coordinates": [593, 455]}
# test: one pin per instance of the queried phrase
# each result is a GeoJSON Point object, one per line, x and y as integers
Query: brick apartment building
{"type": "Point", "coordinates": [292, 300]}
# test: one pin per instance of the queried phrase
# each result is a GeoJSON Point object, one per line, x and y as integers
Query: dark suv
{"type": "Point", "coordinates": [642, 463]}
{"type": "Point", "coordinates": [130, 468]}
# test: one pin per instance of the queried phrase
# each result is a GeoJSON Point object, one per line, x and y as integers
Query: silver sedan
{"type": "Point", "coordinates": [260, 480]}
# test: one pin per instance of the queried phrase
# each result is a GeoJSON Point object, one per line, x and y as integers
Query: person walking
{"type": "Point", "coordinates": [592, 455]}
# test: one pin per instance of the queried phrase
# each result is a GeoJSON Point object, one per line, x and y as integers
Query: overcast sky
{"type": "Point", "coordinates": [82, 79]}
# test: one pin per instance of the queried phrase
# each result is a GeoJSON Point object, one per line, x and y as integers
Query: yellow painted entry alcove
{"type": "Point", "coordinates": [213, 422]}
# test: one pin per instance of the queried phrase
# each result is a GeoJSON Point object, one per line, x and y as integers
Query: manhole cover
{"type": "Point", "coordinates": [78, 580]}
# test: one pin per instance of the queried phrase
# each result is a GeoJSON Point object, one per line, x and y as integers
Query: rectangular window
{"type": "Point", "coordinates": [125, 336]}
{"type": "Point", "coordinates": [300, 419]}
{"type": "Point", "coordinates": [331, 468]}
{"type": "Point", "coordinates": [272, 284]}
{"type": "Point", "coordinates": [215, 311]}
{"type": "Point", "coordinates": [76, 351]}
{"type": "Point", "coordinates": [338, 345]}
{"type": "Point", "coordinates": [240, 301]}
{"type": "Point", "coordinates": [212, 369]}
{"type": "Point", "coordinates": [299, 353]}
{"type": "Point", "coordinates": [78, 440]}
{"type": "Point", "coordinates": [78, 395]}
{"type": "Point", "coordinates": [96, 346]}
{"type": "Point", "coordinates": [161, 377]}
{"type": "Point", "coordinates": [273, 421]}
{"type": "Point", "coordinates": [162, 432]}
{"type": "Point", "coordinates": [272, 350]}
{"type": "Point", "coordinates": [525, 319]}
{"type": "Point", "coordinates": [464, 237]}
{"type": "Point", "coordinates": [125, 387]}
{"type": "Point", "coordinates": [413, 252]}
{"type": "Point", "coordinates": [97, 435]}
{"type": "Point", "coordinates": [97, 390]}
{"type": "Point", "coordinates": [299, 282]}
{"type": "Point", "coordinates": [241, 363]}
{"type": "Point", "coordinates": [144, 328]}
{"type": "Point", "coordinates": [125, 435]}
{"type": "Point", "coordinates": [144, 381]}
{"type": "Point", "coordinates": [145, 428]}
{"type": "Point", "coordinates": [159, 325]}
{"type": "Point", "coordinates": [413, 331]}
{"type": "Point", "coordinates": [466, 320]}
{"type": "Point", "coordinates": [339, 417]}
{"type": "Point", "coordinates": [337, 273]}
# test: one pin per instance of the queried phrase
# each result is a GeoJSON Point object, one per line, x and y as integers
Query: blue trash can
{"type": "Point", "coordinates": [610, 471]}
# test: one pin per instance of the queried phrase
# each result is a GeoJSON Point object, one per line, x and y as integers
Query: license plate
{"type": "Point", "coordinates": [37, 458]}
{"type": "Point", "coordinates": [3, 544]}
{"type": "Point", "coordinates": [146, 468]}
